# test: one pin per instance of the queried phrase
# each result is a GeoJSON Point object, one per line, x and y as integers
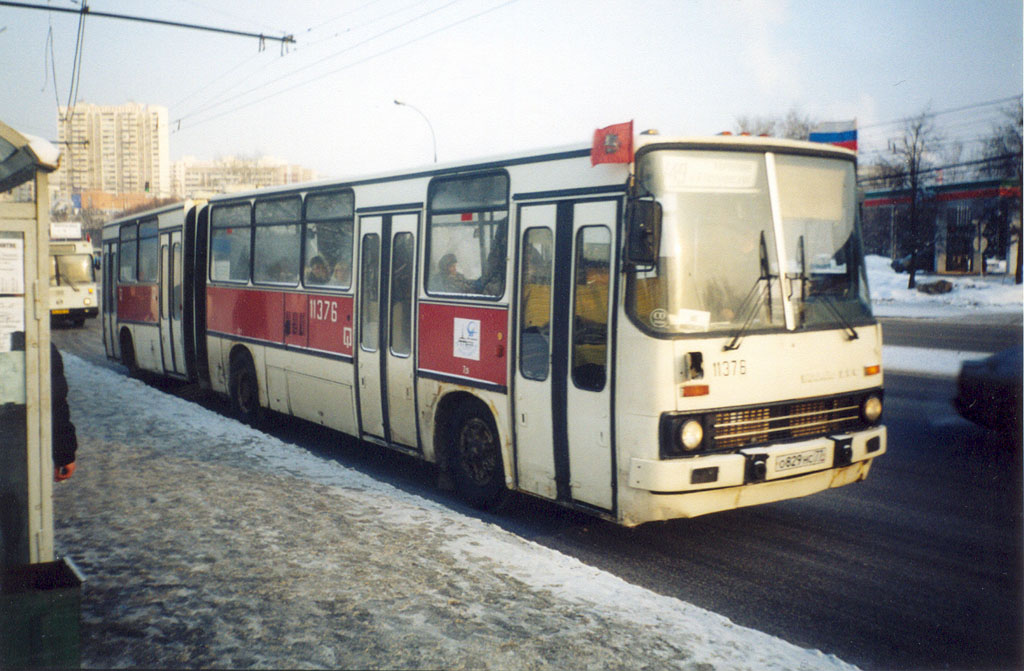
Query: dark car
{"type": "Point", "coordinates": [989, 391]}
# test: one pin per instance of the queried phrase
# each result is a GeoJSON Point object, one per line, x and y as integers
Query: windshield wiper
{"type": "Point", "coordinates": [748, 308]}
{"type": "Point", "coordinates": [62, 277]}
{"type": "Point", "coordinates": [826, 300]}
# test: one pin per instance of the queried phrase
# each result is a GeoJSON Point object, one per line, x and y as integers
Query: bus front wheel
{"type": "Point", "coordinates": [477, 467]}
{"type": "Point", "coordinates": [245, 394]}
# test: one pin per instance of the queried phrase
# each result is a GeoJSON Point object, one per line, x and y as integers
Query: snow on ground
{"type": "Point", "coordinates": [208, 544]}
{"type": "Point", "coordinates": [972, 294]}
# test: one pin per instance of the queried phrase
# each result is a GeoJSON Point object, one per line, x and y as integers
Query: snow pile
{"type": "Point", "coordinates": [971, 293]}
{"type": "Point", "coordinates": [208, 544]}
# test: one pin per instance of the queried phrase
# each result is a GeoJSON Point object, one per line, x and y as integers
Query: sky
{"type": "Point", "coordinates": [495, 76]}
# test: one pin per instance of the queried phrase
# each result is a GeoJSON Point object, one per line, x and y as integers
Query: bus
{"type": "Point", "coordinates": [73, 296]}
{"type": "Point", "coordinates": [683, 333]}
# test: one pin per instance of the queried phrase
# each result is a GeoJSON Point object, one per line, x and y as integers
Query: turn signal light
{"type": "Point", "coordinates": [696, 390]}
{"type": "Point", "coordinates": [872, 370]}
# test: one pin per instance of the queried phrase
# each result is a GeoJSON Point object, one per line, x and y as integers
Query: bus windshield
{"type": "Point", "coordinates": [719, 264]}
{"type": "Point", "coordinates": [71, 269]}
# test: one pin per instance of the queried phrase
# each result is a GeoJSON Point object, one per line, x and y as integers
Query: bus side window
{"type": "Point", "coordinates": [403, 256]}
{"type": "Point", "coordinates": [230, 243]}
{"type": "Point", "coordinates": [149, 251]}
{"type": "Point", "coordinates": [535, 304]}
{"type": "Point", "coordinates": [468, 235]}
{"type": "Point", "coordinates": [128, 252]}
{"type": "Point", "coordinates": [328, 237]}
{"type": "Point", "coordinates": [276, 252]}
{"type": "Point", "coordinates": [590, 307]}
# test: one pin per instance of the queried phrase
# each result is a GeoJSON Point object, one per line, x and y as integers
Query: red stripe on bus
{"type": "Point", "coordinates": [464, 341]}
{"type": "Point", "coordinates": [138, 303]}
{"type": "Point", "coordinates": [318, 321]}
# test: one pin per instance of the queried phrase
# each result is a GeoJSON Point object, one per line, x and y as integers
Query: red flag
{"type": "Point", "coordinates": [613, 144]}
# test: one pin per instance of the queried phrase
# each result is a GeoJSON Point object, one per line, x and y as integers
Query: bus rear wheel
{"type": "Point", "coordinates": [477, 467]}
{"type": "Point", "coordinates": [244, 389]}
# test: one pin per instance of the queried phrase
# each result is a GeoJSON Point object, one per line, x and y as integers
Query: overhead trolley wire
{"type": "Point", "coordinates": [221, 96]}
{"type": "Point", "coordinates": [345, 67]}
{"type": "Point", "coordinates": [177, 24]}
{"type": "Point", "coordinates": [988, 103]}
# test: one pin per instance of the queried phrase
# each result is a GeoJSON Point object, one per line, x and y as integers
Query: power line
{"type": "Point", "coordinates": [899, 175]}
{"type": "Point", "coordinates": [221, 97]}
{"type": "Point", "coordinates": [359, 62]}
{"type": "Point", "coordinates": [306, 67]}
{"type": "Point", "coordinates": [345, 67]}
{"type": "Point", "coordinates": [285, 39]}
{"type": "Point", "coordinates": [987, 103]}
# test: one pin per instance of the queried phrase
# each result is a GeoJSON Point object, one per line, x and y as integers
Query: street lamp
{"type": "Point", "coordinates": [433, 138]}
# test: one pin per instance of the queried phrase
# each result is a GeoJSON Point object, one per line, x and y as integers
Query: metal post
{"type": "Point", "coordinates": [433, 138]}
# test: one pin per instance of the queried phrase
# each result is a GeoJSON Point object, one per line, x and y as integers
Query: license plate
{"type": "Point", "coordinates": [60, 312]}
{"type": "Point", "coordinates": [800, 459]}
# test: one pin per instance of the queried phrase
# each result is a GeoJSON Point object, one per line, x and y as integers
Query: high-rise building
{"type": "Point", "coordinates": [118, 149]}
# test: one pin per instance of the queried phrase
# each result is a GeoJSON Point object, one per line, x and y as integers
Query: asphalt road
{"type": "Point", "coordinates": [920, 566]}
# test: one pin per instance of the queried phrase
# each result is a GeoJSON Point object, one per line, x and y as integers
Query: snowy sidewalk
{"type": "Point", "coordinates": [207, 544]}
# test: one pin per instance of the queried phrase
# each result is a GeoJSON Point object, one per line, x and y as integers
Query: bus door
{"type": "Point", "coordinates": [385, 365]}
{"type": "Point", "coordinates": [109, 300]}
{"type": "Point", "coordinates": [171, 340]}
{"type": "Point", "coordinates": [563, 385]}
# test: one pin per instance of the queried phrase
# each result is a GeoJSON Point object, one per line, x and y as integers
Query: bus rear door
{"type": "Point", "coordinates": [109, 300]}
{"type": "Point", "coordinates": [171, 338]}
{"type": "Point", "coordinates": [385, 367]}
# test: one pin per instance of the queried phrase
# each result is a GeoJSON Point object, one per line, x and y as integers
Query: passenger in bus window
{"type": "Point", "coordinates": [318, 273]}
{"type": "Point", "coordinates": [451, 280]}
{"type": "Point", "coordinates": [342, 275]}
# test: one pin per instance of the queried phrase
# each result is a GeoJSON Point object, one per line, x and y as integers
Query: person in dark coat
{"type": "Point", "coordinates": [65, 441]}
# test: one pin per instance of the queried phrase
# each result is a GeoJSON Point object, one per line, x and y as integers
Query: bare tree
{"type": "Point", "coordinates": [793, 125]}
{"type": "Point", "coordinates": [1003, 151]}
{"type": "Point", "coordinates": [911, 157]}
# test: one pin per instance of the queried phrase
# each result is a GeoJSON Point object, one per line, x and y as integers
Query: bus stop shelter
{"type": "Point", "coordinates": [39, 600]}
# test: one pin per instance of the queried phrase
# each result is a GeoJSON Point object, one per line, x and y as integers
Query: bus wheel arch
{"type": "Point", "coordinates": [243, 387]}
{"type": "Point", "coordinates": [128, 352]}
{"type": "Point", "coordinates": [468, 448]}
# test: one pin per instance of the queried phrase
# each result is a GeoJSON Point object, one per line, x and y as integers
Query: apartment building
{"type": "Point", "coordinates": [195, 178]}
{"type": "Point", "coordinates": [117, 149]}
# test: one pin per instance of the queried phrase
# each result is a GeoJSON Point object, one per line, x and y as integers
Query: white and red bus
{"type": "Point", "coordinates": [685, 333]}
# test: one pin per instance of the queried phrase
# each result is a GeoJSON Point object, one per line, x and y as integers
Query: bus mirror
{"type": "Point", "coordinates": [643, 232]}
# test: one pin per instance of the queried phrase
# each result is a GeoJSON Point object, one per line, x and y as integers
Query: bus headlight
{"type": "Point", "coordinates": [681, 435]}
{"type": "Point", "coordinates": [691, 435]}
{"type": "Point", "coordinates": [871, 409]}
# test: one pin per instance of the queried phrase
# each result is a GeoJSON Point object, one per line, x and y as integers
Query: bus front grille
{"type": "Point", "coordinates": [743, 427]}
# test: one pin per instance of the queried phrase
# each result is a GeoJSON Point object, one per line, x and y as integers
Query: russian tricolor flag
{"type": "Point", "coordinates": [841, 133]}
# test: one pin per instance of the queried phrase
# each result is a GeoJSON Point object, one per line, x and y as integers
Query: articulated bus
{"type": "Point", "coordinates": [685, 333]}
{"type": "Point", "coordinates": [73, 296]}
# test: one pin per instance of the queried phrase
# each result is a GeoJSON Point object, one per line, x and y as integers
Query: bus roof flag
{"type": "Point", "coordinates": [841, 133]}
{"type": "Point", "coordinates": [613, 144]}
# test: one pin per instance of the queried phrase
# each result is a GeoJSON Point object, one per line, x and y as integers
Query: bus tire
{"type": "Point", "coordinates": [244, 389]}
{"type": "Point", "coordinates": [128, 354]}
{"type": "Point", "coordinates": [476, 464]}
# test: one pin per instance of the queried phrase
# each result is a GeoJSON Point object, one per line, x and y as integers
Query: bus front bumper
{"type": "Point", "coordinates": [72, 313]}
{"type": "Point", "coordinates": [699, 485]}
